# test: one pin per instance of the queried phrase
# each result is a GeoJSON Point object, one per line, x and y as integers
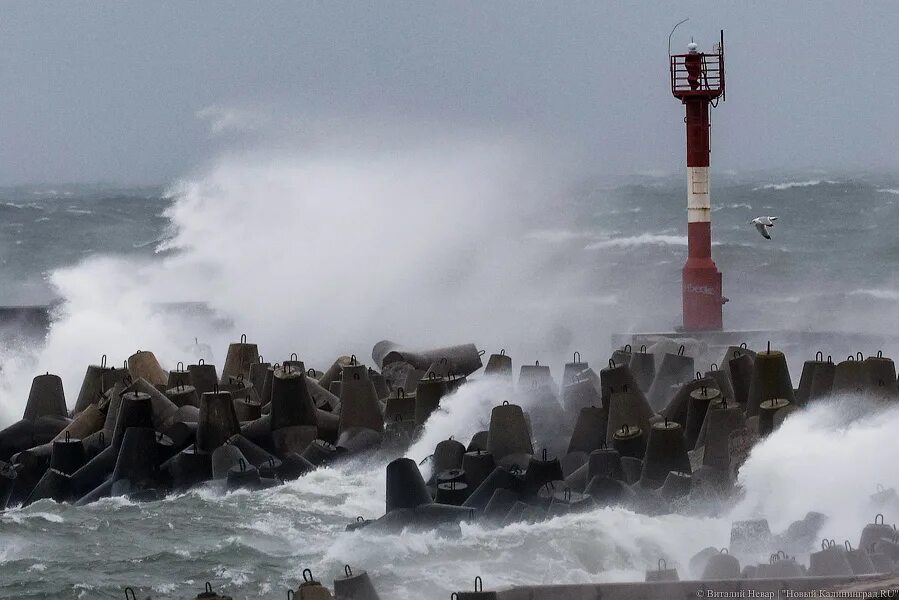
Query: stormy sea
{"type": "Point", "coordinates": [326, 254]}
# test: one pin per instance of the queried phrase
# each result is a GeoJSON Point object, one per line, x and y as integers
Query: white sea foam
{"type": "Point", "coordinates": [738, 205]}
{"type": "Point", "coordinates": [556, 236]}
{"type": "Point", "coordinates": [877, 293]}
{"type": "Point", "coordinates": [894, 191]}
{"type": "Point", "coordinates": [645, 239]}
{"type": "Point", "coordinates": [632, 210]}
{"type": "Point", "coordinates": [27, 205]}
{"type": "Point", "coordinates": [794, 184]}
{"type": "Point", "coordinates": [602, 545]}
{"type": "Point", "coordinates": [22, 515]}
{"type": "Point", "coordinates": [234, 576]}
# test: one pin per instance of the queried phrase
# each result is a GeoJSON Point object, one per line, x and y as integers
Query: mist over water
{"type": "Point", "coordinates": [325, 247]}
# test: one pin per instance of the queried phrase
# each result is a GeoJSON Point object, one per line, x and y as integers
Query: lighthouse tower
{"type": "Point", "coordinates": [697, 80]}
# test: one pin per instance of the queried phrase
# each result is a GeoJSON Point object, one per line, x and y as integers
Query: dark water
{"type": "Point", "coordinates": [831, 265]}
{"type": "Point", "coordinates": [44, 228]}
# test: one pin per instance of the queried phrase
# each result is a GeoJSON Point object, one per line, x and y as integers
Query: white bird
{"type": "Point", "coordinates": [762, 224]}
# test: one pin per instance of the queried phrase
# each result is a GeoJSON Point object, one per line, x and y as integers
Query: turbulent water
{"type": "Point", "coordinates": [45, 228]}
{"type": "Point", "coordinates": [834, 245]}
{"type": "Point", "coordinates": [324, 255]}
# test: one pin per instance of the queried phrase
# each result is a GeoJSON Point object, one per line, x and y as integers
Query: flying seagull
{"type": "Point", "coordinates": [762, 224]}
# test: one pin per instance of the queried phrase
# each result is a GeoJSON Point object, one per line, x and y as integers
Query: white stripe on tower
{"type": "Point", "coordinates": [698, 203]}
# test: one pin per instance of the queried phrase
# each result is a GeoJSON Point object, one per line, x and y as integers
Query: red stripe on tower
{"type": "Point", "coordinates": [697, 80]}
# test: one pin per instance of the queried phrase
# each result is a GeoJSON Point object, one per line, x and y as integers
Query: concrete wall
{"type": "Point", "coordinates": [739, 588]}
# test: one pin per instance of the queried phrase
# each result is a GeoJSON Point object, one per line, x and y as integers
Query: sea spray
{"type": "Point", "coordinates": [830, 458]}
{"type": "Point", "coordinates": [462, 413]}
{"type": "Point", "coordinates": [324, 250]}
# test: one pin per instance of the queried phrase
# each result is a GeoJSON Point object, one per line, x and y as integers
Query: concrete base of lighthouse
{"type": "Point", "coordinates": [702, 299]}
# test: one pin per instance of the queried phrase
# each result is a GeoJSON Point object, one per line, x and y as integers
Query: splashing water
{"type": "Point", "coordinates": [323, 251]}
{"type": "Point", "coordinates": [462, 414]}
{"type": "Point", "coordinates": [830, 458]}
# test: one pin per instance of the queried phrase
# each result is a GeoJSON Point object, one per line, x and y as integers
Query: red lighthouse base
{"type": "Point", "coordinates": [703, 302]}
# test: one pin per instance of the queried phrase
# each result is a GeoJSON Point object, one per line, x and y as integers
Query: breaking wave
{"type": "Point", "coordinates": [556, 236]}
{"type": "Point", "coordinates": [845, 454]}
{"type": "Point", "coordinates": [645, 239]}
{"type": "Point", "coordinates": [877, 294]}
{"type": "Point", "coordinates": [794, 184]}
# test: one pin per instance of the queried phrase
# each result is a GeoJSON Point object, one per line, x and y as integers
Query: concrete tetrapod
{"type": "Point", "coordinates": [590, 430]}
{"type": "Point", "coordinates": [572, 369]}
{"type": "Point", "coordinates": [741, 368]}
{"type": "Point", "coordinates": [359, 401]}
{"type": "Point", "coordinates": [509, 432]}
{"type": "Point", "coordinates": [291, 404]}
{"type": "Point", "coordinates": [143, 365]}
{"type": "Point", "coordinates": [674, 369]}
{"type": "Point", "coordinates": [354, 586]}
{"type": "Point", "coordinates": [240, 358]}
{"type": "Point", "coordinates": [630, 441]}
{"type": "Point", "coordinates": [830, 561]}
{"type": "Point", "coordinates": [46, 398]}
{"type": "Point", "coordinates": [665, 451]}
{"type": "Point", "coordinates": [477, 594]}
{"type": "Point", "coordinates": [499, 365]}
{"type": "Point", "coordinates": [218, 421]}
{"type": "Point", "coordinates": [179, 376]}
{"type": "Point", "coordinates": [578, 395]}
{"type": "Point", "coordinates": [462, 360]}
{"type": "Point", "coordinates": [91, 386]}
{"type": "Point", "coordinates": [881, 378]}
{"type": "Point", "coordinates": [820, 369]}
{"type": "Point", "coordinates": [535, 376]}
{"type": "Point", "coordinates": [627, 408]}
{"type": "Point", "coordinates": [617, 377]}
{"type": "Point", "coordinates": [203, 377]}
{"type": "Point", "coordinates": [699, 405]}
{"type": "Point", "coordinates": [678, 407]}
{"type": "Point", "coordinates": [428, 394]}
{"type": "Point", "coordinates": [770, 379]}
{"type": "Point", "coordinates": [643, 369]}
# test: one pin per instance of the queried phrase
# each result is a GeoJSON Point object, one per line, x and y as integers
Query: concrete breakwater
{"type": "Point", "coordinates": [358, 586]}
{"type": "Point", "coordinates": [647, 432]}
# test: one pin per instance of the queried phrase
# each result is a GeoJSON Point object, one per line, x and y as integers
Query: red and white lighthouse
{"type": "Point", "coordinates": [697, 80]}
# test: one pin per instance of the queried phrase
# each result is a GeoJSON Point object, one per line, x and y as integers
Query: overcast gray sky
{"type": "Point", "coordinates": [111, 90]}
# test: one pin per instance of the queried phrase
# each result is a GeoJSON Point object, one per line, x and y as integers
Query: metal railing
{"type": "Point", "coordinates": [704, 77]}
